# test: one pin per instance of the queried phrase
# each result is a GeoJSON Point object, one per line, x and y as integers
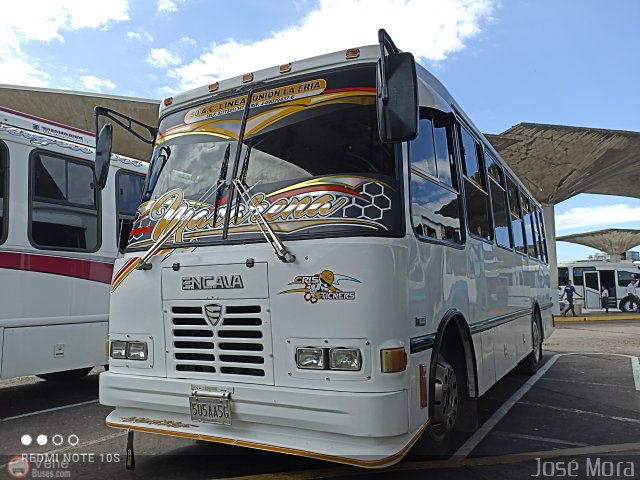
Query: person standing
{"type": "Point", "coordinates": [604, 298]}
{"type": "Point", "coordinates": [633, 294]}
{"type": "Point", "coordinates": [569, 291]}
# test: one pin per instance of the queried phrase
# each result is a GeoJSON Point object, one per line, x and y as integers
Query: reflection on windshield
{"type": "Point", "coordinates": [328, 140]}
{"type": "Point", "coordinates": [192, 167]}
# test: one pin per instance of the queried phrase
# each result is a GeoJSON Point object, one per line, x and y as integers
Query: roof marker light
{"type": "Point", "coordinates": [168, 101]}
{"type": "Point", "coordinates": [213, 87]}
{"type": "Point", "coordinates": [353, 53]}
{"type": "Point", "coordinates": [247, 77]}
{"type": "Point", "coordinates": [286, 68]}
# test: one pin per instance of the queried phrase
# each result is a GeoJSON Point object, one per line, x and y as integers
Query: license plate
{"type": "Point", "coordinates": [210, 410]}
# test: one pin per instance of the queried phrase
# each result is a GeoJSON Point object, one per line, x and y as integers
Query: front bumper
{"type": "Point", "coordinates": [363, 429]}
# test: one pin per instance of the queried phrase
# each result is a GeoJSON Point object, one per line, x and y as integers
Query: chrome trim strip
{"type": "Point", "coordinates": [546, 306]}
{"type": "Point", "coordinates": [489, 323]}
{"type": "Point", "coordinates": [422, 343]}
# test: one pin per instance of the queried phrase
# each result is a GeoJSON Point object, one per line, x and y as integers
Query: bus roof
{"type": "Point", "coordinates": [64, 133]}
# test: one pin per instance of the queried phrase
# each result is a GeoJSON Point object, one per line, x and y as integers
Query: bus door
{"type": "Point", "coordinates": [591, 290]}
{"type": "Point", "coordinates": [608, 279]}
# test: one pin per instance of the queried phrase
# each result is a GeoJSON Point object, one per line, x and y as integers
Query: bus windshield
{"type": "Point", "coordinates": [310, 153]}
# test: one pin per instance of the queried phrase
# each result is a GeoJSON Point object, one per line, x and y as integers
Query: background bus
{"type": "Point", "coordinates": [59, 238]}
{"type": "Point", "coordinates": [404, 270]}
{"type": "Point", "coordinates": [589, 276]}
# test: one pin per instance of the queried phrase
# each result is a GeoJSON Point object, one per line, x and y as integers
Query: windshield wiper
{"type": "Point", "coordinates": [243, 173]}
{"type": "Point", "coordinates": [222, 177]}
{"type": "Point", "coordinates": [142, 262]}
{"type": "Point", "coordinates": [278, 247]}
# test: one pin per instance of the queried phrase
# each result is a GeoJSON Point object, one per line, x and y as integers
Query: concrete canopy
{"type": "Point", "coordinates": [557, 162]}
{"type": "Point", "coordinates": [76, 109]}
{"type": "Point", "coordinates": [614, 241]}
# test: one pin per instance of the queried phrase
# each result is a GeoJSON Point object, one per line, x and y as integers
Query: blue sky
{"type": "Point", "coordinates": [570, 62]}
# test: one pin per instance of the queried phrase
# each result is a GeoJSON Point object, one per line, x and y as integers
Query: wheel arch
{"type": "Point", "coordinates": [454, 321]}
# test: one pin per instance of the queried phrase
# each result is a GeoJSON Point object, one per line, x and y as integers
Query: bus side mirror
{"type": "Point", "coordinates": [103, 156]}
{"type": "Point", "coordinates": [397, 98]}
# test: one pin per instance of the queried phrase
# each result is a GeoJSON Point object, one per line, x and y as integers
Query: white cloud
{"type": "Point", "coordinates": [606, 216]}
{"type": "Point", "coordinates": [139, 36]}
{"type": "Point", "coordinates": [162, 58]}
{"type": "Point", "coordinates": [430, 29]}
{"type": "Point", "coordinates": [95, 84]}
{"type": "Point", "coordinates": [46, 21]}
{"type": "Point", "coordinates": [188, 41]}
{"type": "Point", "coordinates": [168, 6]}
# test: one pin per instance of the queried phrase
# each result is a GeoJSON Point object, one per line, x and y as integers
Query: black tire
{"type": "Point", "coordinates": [627, 305]}
{"type": "Point", "coordinates": [66, 376]}
{"type": "Point", "coordinates": [448, 404]}
{"type": "Point", "coordinates": [530, 364]}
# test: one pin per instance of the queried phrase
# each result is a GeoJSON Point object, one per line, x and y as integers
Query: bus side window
{"type": "Point", "coordinates": [517, 226]}
{"type": "Point", "coordinates": [625, 277]}
{"type": "Point", "coordinates": [64, 211]}
{"type": "Point", "coordinates": [542, 237]}
{"type": "Point", "coordinates": [435, 200]}
{"type": "Point", "coordinates": [4, 204]}
{"type": "Point", "coordinates": [128, 194]}
{"type": "Point", "coordinates": [529, 227]}
{"type": "Point", "coordinates": [577, 274]}
{"type": "Point", "coordinates": [475, 187]}
{"type": "Point", "coordinates": [501, 220]}
{"type": "Point", "coordinates": [563, 276]}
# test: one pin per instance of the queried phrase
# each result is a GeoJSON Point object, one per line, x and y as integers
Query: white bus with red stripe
{"type": "Point", "coordinates": [59, 238]}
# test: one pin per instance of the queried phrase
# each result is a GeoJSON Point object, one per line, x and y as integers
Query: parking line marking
{"type": "Point", "coordinates": [48, 410]}
{"type": "Point", "coordinates": [538, 439]}
{"type": "Point", "coordinates": [635, 366]}
{"type": "Point", "coordinates": [581, 412]}
{"type": "Point", "coordinates": [444, 464]}
{"type": "Point", "coordinates": [473, 441]}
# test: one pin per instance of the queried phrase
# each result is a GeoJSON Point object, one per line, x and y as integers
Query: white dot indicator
{"type": "Point", "coordinates": [42, 440]}
{"type": "Point", "coordinates": [26, 440]}
{"type": "Point", "coordinates": [57, 440]}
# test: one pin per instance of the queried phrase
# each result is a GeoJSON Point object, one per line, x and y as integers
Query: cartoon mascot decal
{"type": "Point", "coordinates": [322, 286]}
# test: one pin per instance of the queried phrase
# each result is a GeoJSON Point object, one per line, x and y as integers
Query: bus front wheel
{"type": "Point", "coordinates": [447, 404]}
{"type": "Point", "coordinates": [446, 399]}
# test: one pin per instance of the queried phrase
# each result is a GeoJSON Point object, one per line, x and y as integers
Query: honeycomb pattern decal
{"type": "Point", "coordinates": [372, 207]}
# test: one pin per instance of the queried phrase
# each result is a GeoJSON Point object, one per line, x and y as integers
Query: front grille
{"type": "Point", "coordinates": [237, 348]}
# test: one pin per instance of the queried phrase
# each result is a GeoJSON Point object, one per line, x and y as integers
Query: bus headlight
{"type": "Point", "coordinates": [137, 351]}
{"type": "Point", "coordinates": [123, 350]}
{"type": "Point", "coordinates": [118, 349]}
{"type": "Point", "coordinates": [345, 359]}
{"type": "Point", "coordinates": [312, 358]}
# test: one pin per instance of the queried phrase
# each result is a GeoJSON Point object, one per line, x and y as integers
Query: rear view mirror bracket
{"type": "Point", "coordinates": [104, 140]}
{"type": "Point", "coordinates": [397, 93]}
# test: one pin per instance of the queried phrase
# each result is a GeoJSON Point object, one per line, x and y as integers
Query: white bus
{"type": "Point", "coordinates": [589, 276]}
{"type": "Point", "coordinates": [324, 264]}
{"type": "Point", "coordinates": [59, 238]}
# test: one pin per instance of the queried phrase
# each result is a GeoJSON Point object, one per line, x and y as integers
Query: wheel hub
{"type": "Point", "coordinates": [445, 397]}
{"type": "Point", "coordinates": [536, 342]}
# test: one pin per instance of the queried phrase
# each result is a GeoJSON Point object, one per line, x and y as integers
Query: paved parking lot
{"type": "Point", "coordinates": [580, 415]}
